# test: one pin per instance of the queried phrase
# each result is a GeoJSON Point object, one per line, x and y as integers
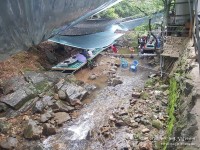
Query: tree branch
{"type": "Point", "coordinates": [141, 10]}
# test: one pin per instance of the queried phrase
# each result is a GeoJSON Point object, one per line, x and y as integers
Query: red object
{"type": "Point", "coordinates": [114, 49]}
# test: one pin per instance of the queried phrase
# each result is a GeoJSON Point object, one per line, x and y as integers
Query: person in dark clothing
{"type": "Point", "coordinates": [85, 53]}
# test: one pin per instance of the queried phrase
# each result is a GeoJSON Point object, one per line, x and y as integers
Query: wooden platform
{"type": "Point", "coordinates": [77, 65]}
{"type": "Point", "coordinates": [174, 46]}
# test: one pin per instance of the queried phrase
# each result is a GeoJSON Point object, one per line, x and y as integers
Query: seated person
{"type": "Point", "coordinates": [85, 53]}
{"type": "Point", "coordinates": [114, 49]}
{"type": "Point", "coordinates": [90, 53]}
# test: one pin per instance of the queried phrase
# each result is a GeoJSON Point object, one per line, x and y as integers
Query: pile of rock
{"type": "Point", "coordinates": [144, 119]}
{"type": "Point", "coordinates": [46, 108]}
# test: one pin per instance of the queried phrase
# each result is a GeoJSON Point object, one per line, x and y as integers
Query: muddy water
{"type": "Point", "coordinates": [74, 135]}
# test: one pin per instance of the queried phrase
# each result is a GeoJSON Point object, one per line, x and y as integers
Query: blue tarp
{"type": "Point", "coordinates": [102, 39]}
{"type": "Point", "coordinates": [131, 24]}
{"type": "Point", "coordinates": [90, 41]}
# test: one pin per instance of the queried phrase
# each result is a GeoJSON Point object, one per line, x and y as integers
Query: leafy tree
{"type": "Point", "coordinates": [133, 8]}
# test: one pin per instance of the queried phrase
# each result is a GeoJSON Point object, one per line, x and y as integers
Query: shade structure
{"type": "Point", "coordinates": [90, 41]}
{"type": "Point", "coordinates": [131, 24]}
{"type": "Point", "coordinates": [102, 39]}
{"type": "Point", "coordinates": [24, 23]}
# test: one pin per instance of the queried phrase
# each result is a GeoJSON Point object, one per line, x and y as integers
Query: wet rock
{"type": "Point", "coordinates": [133, 102]}
{"type": "Point", "coordinates": [47, 100]}
{"type": "Point", "coordinates": [116, 81]}
{"type": "Point", "coordinates": [161, 117]}
{"type": "Point", "coordinates": [17, 98]}
{"type": "Point", "coordinates": [79, 95]}
{"type": "Point", "coordinates": [164, 87]}
{"type": "Point", "coordinates": [147, 145]}
{"type": "Point", "coordinates": [144, 121]}
{"type": "Point", "coordinates": [129, 136]}
{"type": "Point", "coordinates": [157, 124]}
{"type": "Point", "coordinates": [112, 118]}
{"type": "Point", "coordinates": [164, 102]}
{"type": "Point", "coordinates": [3, 107]}
{"type": "Point", "coordinates": [145, 130]}
{"type": "Point", "coordinates": [61, 117]}
{"type": "Point", "coordinates": [137, 120]}
{"type": "Point", "coordinates": [137, 116]}
{"type": "Point", "coordinates": [62, 95]}
{"type": "Point", "coordinates": [113, 70]}
{"type": "Point", "coordinates": [152, 75]}
{"type": "Point", "coordinates": [4, 127]}
{"type": "Point", "coordinates": [13, 84]}
{"type": "Point", "coordinates": [165, 93]}
{"type": "Point", "coordinates": [56, 97]}
{"type": "Point", "coordinates": [75, 102]}
{"type": "Point", "coordinates": [157, 93]}
{"type": "Point", "coordinates": [32, 130]}
{"type": "Point", "coordinates": [136, 94]}
{"type": "Point", "coordinates": [119, 123]}
{"type": "Point", "coordinates": [45, 117]}
{"type": "Point", "coordinates": [135, 125]}
{"type": "Point", "coordinates": [43, 86]}
{"type": "Point", "coordinates": [9, 143]}
{"type": "Point", "coordinates": [34, 77]}
{"type": "Point", "coordinates": [92, 77]}
{"type": "Point", "coordinates": [74, 91]}
{"type": "Point", "coordinates": [189, 86]}
{"type": "Point", "coordinates": [36, 147]}
{"type": "Point", "coordinates": [89, 87]}
{"type": "Point", "coordinates": [61, 106]}
{"type": "Point", "coordinates": [48, 129]}
{"type": "Point", "coordinates": [58, 85]}
{"type": "Point", "coordinates": [59, 146]}
{"type": "Point", "coordinates": [38, 107]}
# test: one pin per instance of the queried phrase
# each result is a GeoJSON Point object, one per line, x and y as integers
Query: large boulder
{"type": "Point", "coordinates": [74, 91]}
{"type": "Point", "coordinates": [32, 130]}
{"type": "Point", "coordinates": [61, 117]}
{"type": "Point", "coordinates": [61, 106]}
{"type": "Point", "coordinates": [13, 84]}
{"type": "Point", "coordinates": [89, 87]}
{"type": "Point", "coordinates": [48, 129]}
{"type": "Point", "coordinates": [115, 82]}
{"type": "Point", "coordinates": [38, 107]}
{"type": "Point", "coordinates": [17, 98]}
{"type": "Point", "coordinates": [62, 95]}
{"type": "Point", "coordinates": [34, 77]}
{"type": "Point", "coordinates": [47, 100]}
{"type": "Point", "coordinates": [58, 85]}
{"type": "Point", "coordinates": [9, 143]}
{"type": "Point", "coordinates": [3, 107]}
{"type": "Point", "coordinates": [45, 117]}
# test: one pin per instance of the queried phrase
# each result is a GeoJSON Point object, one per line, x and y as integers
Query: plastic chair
{"type": "Point", "coordinates": [133, 66]}
{"type": "Point", "coordinates": [124, 63]}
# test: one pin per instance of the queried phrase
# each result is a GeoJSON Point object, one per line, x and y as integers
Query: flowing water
{"type": "Point", "coordinates": [75, 135]}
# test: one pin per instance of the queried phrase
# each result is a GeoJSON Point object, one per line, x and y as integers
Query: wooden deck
{"type": "Point", "coordinates": [174, 46]}
{"type": "Point", "coordinates": [76, 65]}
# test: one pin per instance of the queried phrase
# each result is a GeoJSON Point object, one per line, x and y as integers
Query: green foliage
{"type": "Point", "coordinates": [110, 13]}
{"type": "Point", "coordinates": [173, 98]}
{"type": "Point", "coordinates": [133, 8]}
